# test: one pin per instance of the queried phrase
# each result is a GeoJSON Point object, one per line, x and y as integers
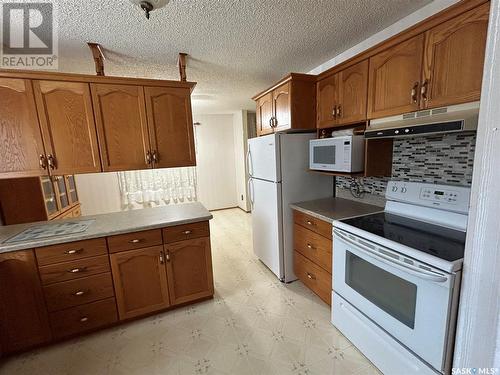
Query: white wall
{"type": "Point", "coordinates": [215, 159]}
{"type": "Point", "coordinates": [98, 193]}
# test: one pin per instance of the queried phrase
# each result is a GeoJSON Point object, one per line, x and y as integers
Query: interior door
{"type": "Point", "coordinates": [264, 114]}
{"type": "Point", "coordinates": [327, 100]}
{"type": "Point", "coordinates": [120, 114]}
{"type": "Point", "coordinates": [267, 226]}
{"type": "Point", "coordinates": [394, 79]}
{"type": "Point", "coordinates": [140, 281]}
{"type": "Point", "coordinates": [281, 102]}
{"type": "Point", "coordinates": [353, 83]}
{"type": "Point", "coordinates": [22, 145]}
{"type": "Point", "coordinates": [170, 125]}
{"type": "Point", "coordinates": [189, 270]}
{"type": "Point", "coordinates": [68, 128]}
{"type": "Point", "coordinates": [454, 59]}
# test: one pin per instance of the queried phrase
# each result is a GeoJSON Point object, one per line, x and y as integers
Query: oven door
{"type": "Point", "coordinates": [410, 303]}
{"type": "Point", "coordinates": [329, 155]}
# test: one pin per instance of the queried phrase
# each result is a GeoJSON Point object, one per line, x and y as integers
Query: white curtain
{"type": "Point", "coordinates": [157, 187]}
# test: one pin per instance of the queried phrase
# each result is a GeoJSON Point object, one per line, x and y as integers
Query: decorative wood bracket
{"type": "Point", "coordinates": [182, 66]}
{"type": "Point", "coordinates": [98, 57]}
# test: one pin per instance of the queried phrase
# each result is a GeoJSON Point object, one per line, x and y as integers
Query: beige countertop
{"type": "Point", "coordinates": [110, 224]}
{"type": "Point", "coordinates": [330, 209]}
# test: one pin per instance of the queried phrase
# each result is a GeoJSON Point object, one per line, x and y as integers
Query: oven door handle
{"type": "Point", "coordinates": [428, 275]}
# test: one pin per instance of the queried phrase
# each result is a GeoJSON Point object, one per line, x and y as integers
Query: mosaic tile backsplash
{"type": "Point", "coordinates": [441, 159]}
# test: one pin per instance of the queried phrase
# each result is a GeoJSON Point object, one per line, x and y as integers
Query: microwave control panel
{"type": "Point", "coordinates": [446, 197]}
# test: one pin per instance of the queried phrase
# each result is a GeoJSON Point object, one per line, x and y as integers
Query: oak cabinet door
{"type": "Point", "coordinates": [353, 83]}
{"type": "Point", "coordinates": [140, 281]}
{"type": "Point", "coordinates": [20, 134]}
{"type": "Point", "coordinates": [68, 128]}
{"type": "Point", "coordinates": [23, 316]}
{"type": "Point", "coordinates": [394, 78]}
{"type": "Point", "coordinates": [454, 59]}
{"type": "Point", "coordinates": [264, 114]}
{"type": "Point", "coordinates": [170, 124]}
{"type": "Point", "coordinates": [281, 103]}
{"type": "Point", "coordinates": [120, 115]}
{"type": "Point", "coordinates": [327, 95]}
{"type": "Point", "coordinates": [189, 270]}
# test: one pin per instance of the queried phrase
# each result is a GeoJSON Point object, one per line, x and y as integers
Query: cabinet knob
{"type": "Point", "coordinates": [79, 293]}
{"type": "Point", "coordinates": [310, 276]}
{"type": "Point", "coordinates": [148, 157]}
{"type": "Point", "coordinates": [339, 111]}
{"type": "Point", "coordinates": [309, 222]}
{"type": "Point", "coordinates": [77, 270]}
{"type": "Point", "coordinates": [161, 257]}
{"type": "Point", "coordinates": [186, 232]}
{"type": "Point", "coordinates": [156, 156]}
{"type": "Point", "coordinates": [414, 93]}
{"type": "Point", "coordinates": [51, 161]}
{"type": "Point", "coordinates": [74, 251]}
{"type": "Point", "coordinates": [84, 319]}
{"type": "Point", "coordinates": [136, 240]}
{"type": "Point", "coordinates": [42, 160]}
{"type": "Point", "coordinates": [311, 247]}
{"type": "Point", "coordinates": [168, 257]}
{"type": "Point", "coordinates": [334, 111]}
{"type": "Point", "coordinates": [423, 90]}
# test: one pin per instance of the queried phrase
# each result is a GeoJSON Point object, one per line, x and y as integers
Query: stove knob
{"type": "Point", "coordinates": [396, 131]}
{"type": "Point", "coordinates": [403, 190]}
{"type": "Point", "coordinates": [407, 130]}
{"type": "Point", "coordinates": [394, 188]}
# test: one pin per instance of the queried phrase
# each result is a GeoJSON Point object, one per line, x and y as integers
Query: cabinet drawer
{"type": "Point", "coordinates": [77, 292]}
{"type": "Point", "coordinates": [137, 240]}
{"type": "Point", "coordinates": [316, 248]}
{"type": "Point", "coordinates": [186, 232]}
{"type": "Point", "coordinates": [314, 277]}
{"type": "Point", "coordinates": [70, 251]}
{"type": "Point", "coordinates": [74, 270]}
{"type": "Point", "coordinates": [307, 221]}
{"type": "Point", "coordinates": [83, 318]}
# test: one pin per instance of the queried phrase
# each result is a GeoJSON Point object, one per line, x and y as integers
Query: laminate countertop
{"type": "Point", "coordinates": [109, 224]}
{"type": "Point", "coordinates": [330, 209]}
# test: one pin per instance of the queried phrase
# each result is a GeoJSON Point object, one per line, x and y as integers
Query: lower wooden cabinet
{"type": "Point", "coordinates": [140, 281]}
{"type": "Point", "coordinates": [189, 270]}
{"type": "Point", "coordinates": [314, 277]}
{"type": "Point", "coordinates": [23, 317]}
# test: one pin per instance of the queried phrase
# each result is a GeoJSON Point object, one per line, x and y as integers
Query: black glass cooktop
{"type": "Point", "coordinates": [444, 243]}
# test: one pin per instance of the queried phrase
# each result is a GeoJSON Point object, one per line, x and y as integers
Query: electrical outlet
{"type": "Point", "coordinates": [241, 196]}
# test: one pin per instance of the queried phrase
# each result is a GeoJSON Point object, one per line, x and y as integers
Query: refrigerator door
{"type": "Point", "coordinates": [267, 224]}
{"type": "Point", "coordinates": [263, 158]}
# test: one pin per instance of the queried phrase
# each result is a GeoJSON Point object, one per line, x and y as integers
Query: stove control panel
{"type": "Point", "coordinates": [445, 197]}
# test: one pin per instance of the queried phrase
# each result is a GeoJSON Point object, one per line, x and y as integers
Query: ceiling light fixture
{"type": "Point", "coordinates": [150, 5]}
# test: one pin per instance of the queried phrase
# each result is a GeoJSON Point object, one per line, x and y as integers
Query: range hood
{"type": "Point", "coordinates": [457, 118]}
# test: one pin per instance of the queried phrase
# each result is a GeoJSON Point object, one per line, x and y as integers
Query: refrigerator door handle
{"type": "Point", "coordinates": [250, 191]}
{"type": "Point", "coordinates": [249, 162]}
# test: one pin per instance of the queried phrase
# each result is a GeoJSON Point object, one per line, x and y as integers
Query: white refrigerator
{"type": "Point", "coordinates": [278, 167]}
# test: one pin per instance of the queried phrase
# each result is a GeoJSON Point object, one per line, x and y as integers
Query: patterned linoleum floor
{"type": "Point", "coordinates": [254, 325]}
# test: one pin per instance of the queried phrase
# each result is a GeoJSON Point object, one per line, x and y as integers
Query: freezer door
{"type": "Point", "coordinates": [263, 158]}
{"type": "Point", "coordinates": [267, 224]}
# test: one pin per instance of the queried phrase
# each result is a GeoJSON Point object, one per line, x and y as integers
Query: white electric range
{"type": "Point", "coordinates": [396, 277]}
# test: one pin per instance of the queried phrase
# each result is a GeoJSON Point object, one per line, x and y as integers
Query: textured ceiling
{"type": "Point", "coordinates": [236, 47]}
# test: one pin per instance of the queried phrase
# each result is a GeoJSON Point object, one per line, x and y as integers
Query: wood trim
{"type": "Point", "coordinates": [419, 28]}
{"type": "Point", "coordinates": [287, 78]}
{"type": "Point", "coordinates": [70, 77]}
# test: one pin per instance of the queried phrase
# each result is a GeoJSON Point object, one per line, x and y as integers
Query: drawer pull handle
{"type": "Point", "coordinates": [309, 246]}
{"type": "Point", "coordinates": [168, 257]}
{"type": "Point", "coordinates": [84, 319]}
{"type": "Point", "coordinates": [186, 232]}
{"type": "Point", "coordinates": [136, 240]}
{"type": "Point", "coordinates": [74, 251]}
{"type": "Point", "coordinates": [79, 293]}
{"type": "Point", "coordinates": [309, 222]}
{"type": "Point", "coordinates": [310, 276]}
{"type": "Point", "coordinates": [77, 270]}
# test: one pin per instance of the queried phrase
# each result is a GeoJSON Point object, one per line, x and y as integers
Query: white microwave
{"type": "Point", "coordinates": [338, 154]}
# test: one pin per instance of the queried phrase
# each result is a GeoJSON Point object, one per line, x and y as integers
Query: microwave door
{"type": "Point", "coordinates": [324, 157]}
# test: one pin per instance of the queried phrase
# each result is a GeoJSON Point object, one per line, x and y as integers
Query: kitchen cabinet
{"type": "Point", "coordinates": [342, 97]}
{"type": "Point", "coordinates": [140, 281]}
{"type": "Point", "coordinates": [290, 104]}
{"type": "Point", "coordinates": [120, 114]}
{"type": "Point", "coordinates": [25, 200]}
{"type": "Point", "coordinates": [67, 122]}
{"type": "Point", "coordinates": [454, 59]}
{"type": "Point", "coordinates": [394, 79]}
{"type": "Point", "coordinates": [170, 125]}
{"type": "Point", "coordinates": [22, 153]}
{"type": "Point", "coordinates": [23, 317]}
{"type": "Point", "coordinates": [189, 270]}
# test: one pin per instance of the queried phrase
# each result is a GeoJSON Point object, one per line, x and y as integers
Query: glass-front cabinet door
{"type": "Point", "coordinates": [49, 196]}
{"type": "Point", "coordinates": [61, 191]}
{"type": "Point", "coordinates": [71, 189]}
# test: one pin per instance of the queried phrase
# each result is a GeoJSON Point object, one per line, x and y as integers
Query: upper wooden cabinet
{"type": "Point", "coordinates": [68, 128]}
{"type": "Point", "coordinates": [394, 79]}
{"type": "Point", "coordinates": [23, 317]}
{"type": "Point", "coordinates": [22, 147]}
{"type": "Point", "coordinates": [120, 114]}
{"type": "Point", "coordinates": [290, 104]}
{"type": "Point", "coordinates": [341, 97]}
{"type": "Point", "coordinates": [170, 125]}
{"type": "Point", "coordinates": [454, 59]}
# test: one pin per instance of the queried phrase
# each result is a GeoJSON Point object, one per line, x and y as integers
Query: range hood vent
{"type": "Point", "coordinates": [457, 118]}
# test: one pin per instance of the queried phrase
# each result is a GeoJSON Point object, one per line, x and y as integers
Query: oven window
{"type": "Point", "coordinates": [324, 154]}
{"type": "Point", "coordinates": [394, 295]}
